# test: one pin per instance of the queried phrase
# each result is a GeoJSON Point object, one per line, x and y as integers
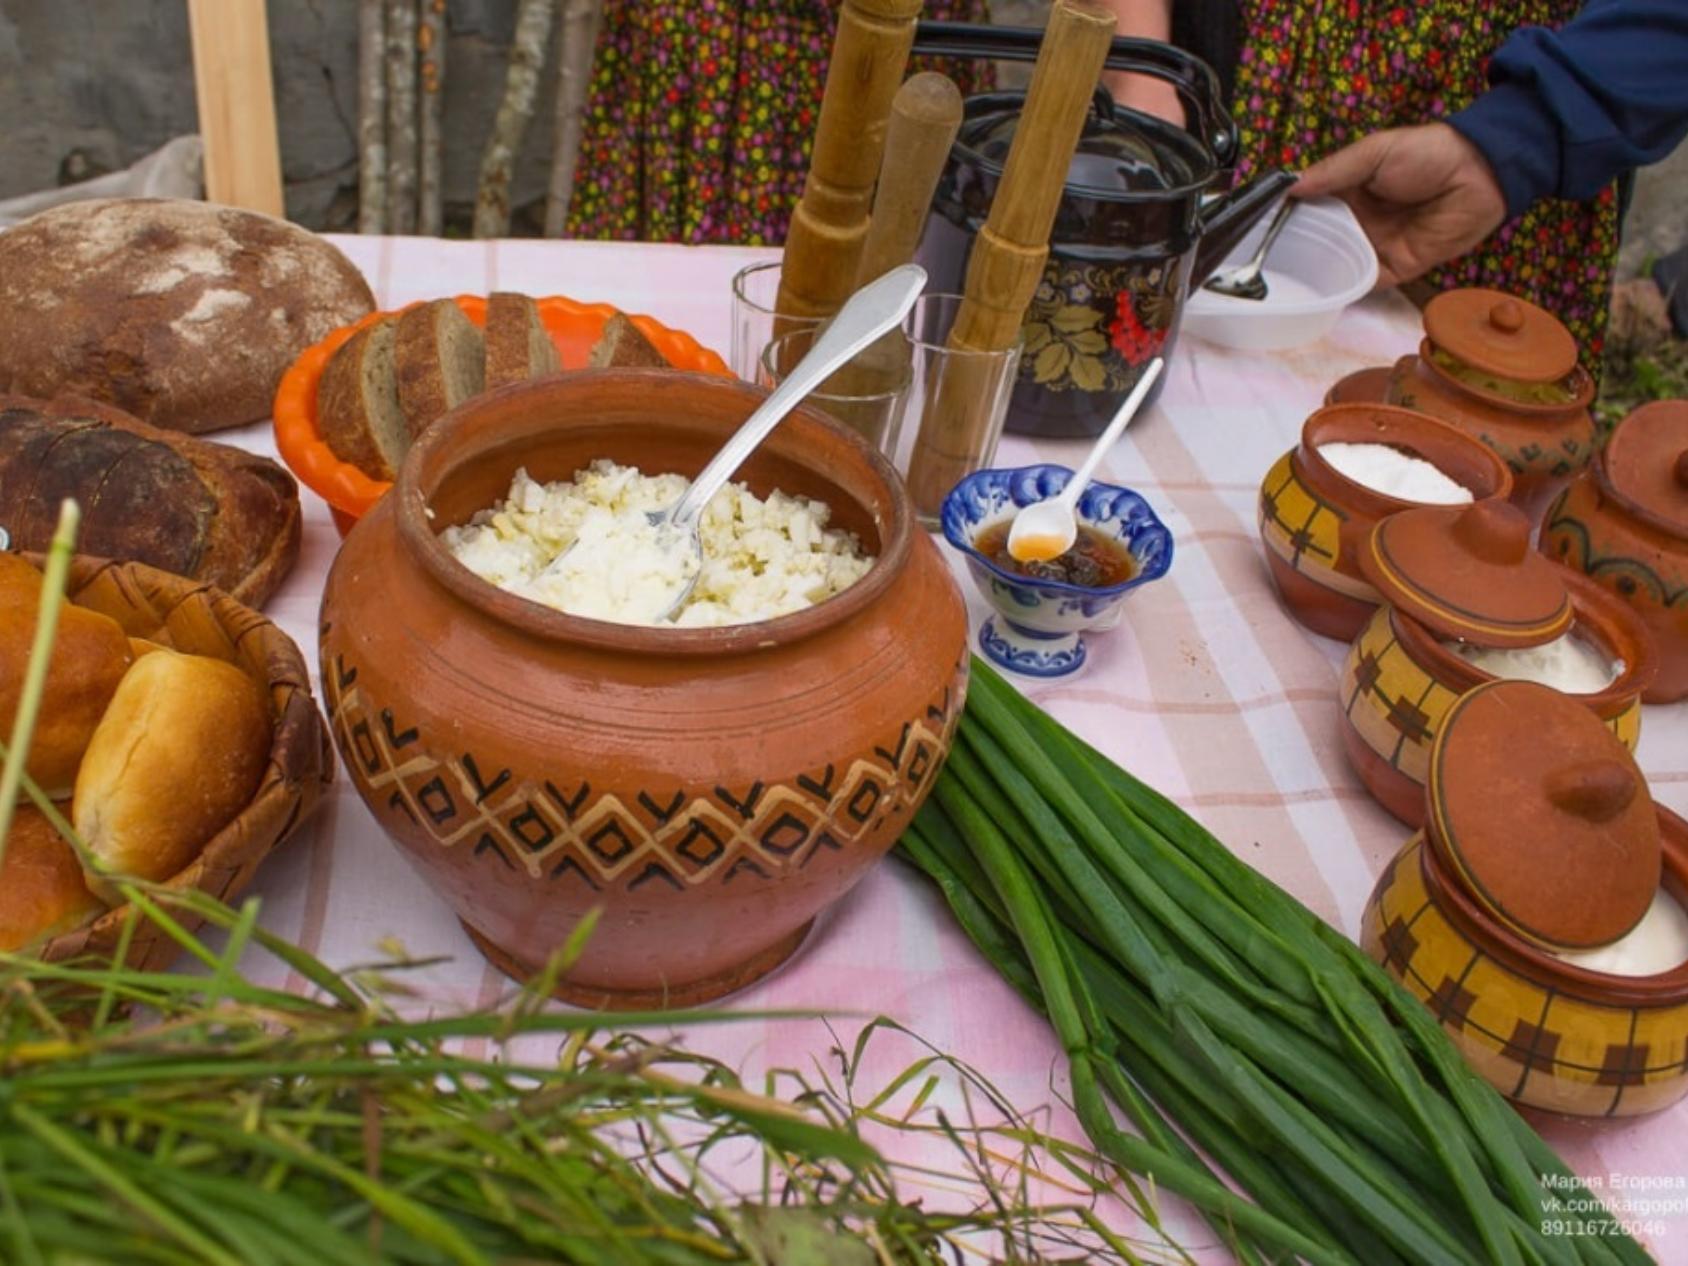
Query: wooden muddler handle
{"type": "Point", "coordinates": [1008, 257]}
{"type": "Point", "coordinates": [823, 248]}
{"type": "Point", "coordinates": [925, 116]}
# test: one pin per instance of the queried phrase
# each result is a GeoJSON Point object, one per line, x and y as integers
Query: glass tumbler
{"type": "Point", "coordinates": [957, 403]}
{"type": "Point", "coordinates": [869, 395]}
{"type": "Point", "coordinates": [756, 319]}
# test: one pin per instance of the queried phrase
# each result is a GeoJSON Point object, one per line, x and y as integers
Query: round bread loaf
{"type": "Point", "coordinates": [91, 653]}
{"type": "Point", "coordinates": [176, 757]}
{"type": "Point", "coordinates": [183, 313]}
{"type": "Point", "coordinates": [42, 892]}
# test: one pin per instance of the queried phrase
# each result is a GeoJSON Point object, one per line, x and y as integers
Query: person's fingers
{"type": "Point", "coordinates": [1347, 169]}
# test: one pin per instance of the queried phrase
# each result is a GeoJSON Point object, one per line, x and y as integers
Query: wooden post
{"type": "Point", "coordinates": [576, 43]}
{"type": "Point", "coordinates": [236, 97]}
{"type": "Point", "coordinates": [521, 86]}
{"type": "Point", "coordinates": [372, 117]}
{"type": "Point", "coordinates": [430, 45]}
{"type": "Point", "coordinates": [823, 250]}
{"type": "Point", "coordinates": [401, 116]}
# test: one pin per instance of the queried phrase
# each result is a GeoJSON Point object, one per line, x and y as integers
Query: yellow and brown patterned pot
{"type": "Point", "coordinates": [707, 791]}
{"type": "Point", "coordinates": [1399, 681]}
{"type": "Point", "coordinates": [1314, 521]}
{"type": "Point", "coordinates": [1539, 1030]}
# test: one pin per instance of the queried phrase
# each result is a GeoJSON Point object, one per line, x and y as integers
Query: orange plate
{"type": "Point", "coordinates": [574, 327]}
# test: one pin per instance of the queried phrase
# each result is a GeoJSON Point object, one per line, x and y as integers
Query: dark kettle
{"type": "Point", "coordinates": [1147, 216]}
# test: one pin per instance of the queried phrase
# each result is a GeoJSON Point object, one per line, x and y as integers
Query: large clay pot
{"type": "Point", "coordinates": [1314, 521]}
{"type": "Point", "coordinates": [1466, 914]}
{"type": "Point", "coordinates": [1624, 522]}
{"type": "Point", "coordinates": [710, 790]}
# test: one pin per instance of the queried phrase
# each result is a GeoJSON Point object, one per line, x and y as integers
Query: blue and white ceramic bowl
{"type": "Point", "coordinates": [1037, 626]}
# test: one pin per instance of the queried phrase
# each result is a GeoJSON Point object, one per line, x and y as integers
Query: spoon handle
{"type": "Point", "coordinates": [1251, 270]}
{"type": "Point", "coordinates": [1116, 428]}
{"type": "Point", "coordinates": [871, 311]}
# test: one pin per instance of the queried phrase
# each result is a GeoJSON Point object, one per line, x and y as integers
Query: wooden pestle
{"type": "Point", "coordinates": [823, 248]}
{"type": "Point", "coordinates": [1008, 258]}
{"type": "Point", "coordinates": [925, 116]}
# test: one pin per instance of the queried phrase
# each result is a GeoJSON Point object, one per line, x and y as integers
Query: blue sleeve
{"type": "Point", "coordinates": [1567, 111]}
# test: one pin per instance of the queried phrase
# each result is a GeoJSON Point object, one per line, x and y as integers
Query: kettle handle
{"type": "Point", "coordinates": [1194, 80]}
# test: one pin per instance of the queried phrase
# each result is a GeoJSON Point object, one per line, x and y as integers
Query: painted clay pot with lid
{"type": "Point", "coordinates": [1624, 522]}
{"type": "Point", "coordinates": [1505, 371]}
{"type": "Point", "coordinates": [709, 790]}
{"type": "Point", "coordinates": [1466, 578]}
{"type": "Point", "coordinates": [1315, 521]}
{"type": "Point", "coordinates": [1540, 913]}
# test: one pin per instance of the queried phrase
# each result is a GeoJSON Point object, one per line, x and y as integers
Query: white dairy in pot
{"type": "Point", "coordinates": [1386, 469]}
{"type": "Point", "coordinates": [761, 557]}
{"type": "Point", "coordinates": [1659, 943]}
{"type": "Point", "coordinates": [1571, 663]}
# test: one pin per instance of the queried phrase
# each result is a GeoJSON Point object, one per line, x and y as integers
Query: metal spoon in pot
{"type": "Point", "coordinates": [870, 312]}
{"type": "Point", "coordinates": [1047, 529]}
{"type": "Point", "coordinates": [1245, 282]}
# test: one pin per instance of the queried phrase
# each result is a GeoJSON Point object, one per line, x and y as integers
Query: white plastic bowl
{"type": "Point", "coordinates": [1320, 264]}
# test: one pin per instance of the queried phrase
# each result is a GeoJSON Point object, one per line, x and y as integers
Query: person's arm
{"type": "Point", "coordinates": [1568, 110]}
{"type": "Point", "coordinates": [1146, 19]}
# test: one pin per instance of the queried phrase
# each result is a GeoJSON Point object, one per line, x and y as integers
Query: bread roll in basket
{"type": "Point", "coordinates": [191, 616]}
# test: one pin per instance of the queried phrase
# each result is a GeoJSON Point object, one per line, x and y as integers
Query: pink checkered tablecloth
{"type": "Point", "coordinates": [1207, 690]}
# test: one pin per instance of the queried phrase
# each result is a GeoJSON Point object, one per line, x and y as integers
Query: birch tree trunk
{"type": "Point", "coordinates": [401, 116]}
{"type": "Point", "coordinates": [430, 44]}
{"type": "Point", "coordinates": [521, 86]}
{"type": "Point", "coordinates": [372, 117]}
{"type": "Point", "coordinates": [577, 38]}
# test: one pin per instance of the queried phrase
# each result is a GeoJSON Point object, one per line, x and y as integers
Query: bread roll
{"type": "Point", "coordinates": [177, 756]}
{"type": "Point", "coordinates": [41, 888]}
{"type": "Point", "coordinates": [90, 654]}
{"type": "Point", "coordinates": [184, 313]}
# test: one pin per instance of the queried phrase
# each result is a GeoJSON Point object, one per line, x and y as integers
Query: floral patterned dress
{"type": "Point", "coordinates": [1315, 75]}
{"type": "Point", "coordinates": [701, 115]}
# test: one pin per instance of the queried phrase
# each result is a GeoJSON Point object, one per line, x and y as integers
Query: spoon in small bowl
{"type": "Point", "coordinates": [1245, 282]}
{"type": "Point", "coordinates": [1047, 529]}
{"type": "Point", "coordinates": [872, 311]}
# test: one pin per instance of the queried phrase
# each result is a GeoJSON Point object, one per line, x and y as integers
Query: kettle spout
{"type": "Point", "coordinates": [1227, 218]}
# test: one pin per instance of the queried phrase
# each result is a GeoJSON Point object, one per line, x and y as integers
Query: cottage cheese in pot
{"type": "Point", "coordinates": [1570, 663]}
{"type": "Point", "coordinates": [761, 557]}
{"type": "Point", "coordinates": [1387, 469]}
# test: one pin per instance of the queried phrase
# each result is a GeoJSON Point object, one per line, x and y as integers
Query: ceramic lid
{"type": "Point", "coordinates": [1558, 840]}
{"type": "Point", "coordinates": [1646, 462]}
{"type": "Point", "coordinates": [1501, 334]}
{"type": "Point", "coordinates": [1468, 572]}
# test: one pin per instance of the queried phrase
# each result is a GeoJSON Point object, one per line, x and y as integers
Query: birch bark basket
{"type": "Point", "coordinates": [521, 86]}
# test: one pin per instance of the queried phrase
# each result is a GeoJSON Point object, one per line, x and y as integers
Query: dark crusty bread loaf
{"type": "Point", "coordinates": [203, 510]}
{"type": "Point", "coordinates": [358, 412]}
{"type": "Point", "coordinates": [622, 345]}
{"type": "Point", "coordinates": [517, 346]}
{"type": "Point", "coordinates": [440, 361]}
{"type": "Point", "coordinates": [182, 313]}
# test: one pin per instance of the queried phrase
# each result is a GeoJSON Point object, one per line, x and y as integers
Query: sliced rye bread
{"type": "Point", "coordinates": [622, 345]}
{"type": "Point", "coordinates": [517, 346]}
{"type": "Point", "coordinates": [358, 411]}
{"type": "Point", "coordinates": [440, 360]}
